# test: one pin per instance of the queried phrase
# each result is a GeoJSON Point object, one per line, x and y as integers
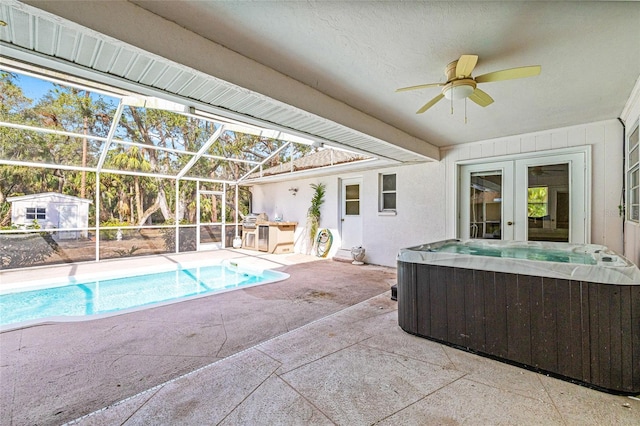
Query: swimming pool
{"type": "Point", "coordinates": [79, 300]}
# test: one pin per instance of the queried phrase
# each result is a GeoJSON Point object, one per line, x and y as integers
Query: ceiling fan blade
{"type": "Point", "coordinates": [429, 104]}
{"type": "Point", "coordinates": [481, 98]}
{"type": "Point", "coordinates": [419, 86]}
{"type": "Point", "coordinates": [465, 65]}
{"type": "Point", "coordinates": [509, 74]}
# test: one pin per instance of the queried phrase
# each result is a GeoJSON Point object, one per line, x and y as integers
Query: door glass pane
{"type": "Point", "coordinates": [548, 203]}
{"type": "Point", "coordinates": [486, 205]}
{"type": "Point", "coordinates": [352, 200]}
{"type": "Point", "coordinates": [352, 208]}
{"type": "Point", "coordinates": [352, 192]}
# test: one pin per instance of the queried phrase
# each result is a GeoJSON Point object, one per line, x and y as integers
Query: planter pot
{"type": "Point", "coordinates": [357, 253]}
{"type": "Point", "coordinates": [237, 242]}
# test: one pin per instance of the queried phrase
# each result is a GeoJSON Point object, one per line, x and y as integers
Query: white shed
{"type": "Point", "coordinates": [52, 210]}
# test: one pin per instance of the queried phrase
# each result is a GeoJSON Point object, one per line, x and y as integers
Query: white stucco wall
{"type": "Point", "coordinates": [420, 209]}
{"type": "Point", "coordinates": [426, 192]}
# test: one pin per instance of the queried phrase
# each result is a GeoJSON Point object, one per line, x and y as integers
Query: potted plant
{"type": "Point", "coordinates": [313, 214]}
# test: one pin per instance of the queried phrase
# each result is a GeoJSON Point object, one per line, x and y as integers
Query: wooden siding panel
{"type": "Point", "coordinates": [424, 313]}
{"type": "Point", "coordinates": [439, 279]}
{"type": "Point", "coordinates": [475, 304]}
{"type": "Point", "coordinates": [518, 318]}
{"type": "Point", "coordinates": [456, 306]}
{"type": "Point", "coordinates": [615, 336]}
{"type": "Point", "coordinates": [626, 349]}
{"type": "Point", "coordinates": [569, 328]}
{"type": "Point", "coordinates": [544, 335]}
{"type": "Point", "coordinates": [585, 324]}
{"type": "Point", "coordinates": [496, 309]}
{"type": "Point", "coordinates": [407, 301]}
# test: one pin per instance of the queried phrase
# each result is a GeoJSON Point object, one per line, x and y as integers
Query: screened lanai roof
{"type": "Point", "coordinates": [60, 121]}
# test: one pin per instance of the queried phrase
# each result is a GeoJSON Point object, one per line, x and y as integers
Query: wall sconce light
{"type": "Point", "coordinates": [293, 191]}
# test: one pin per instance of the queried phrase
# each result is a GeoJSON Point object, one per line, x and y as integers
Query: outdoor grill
{"type": "Point", "coordinates": [250, 221]}
{"type": "Point", "coordinates": [250, 229]}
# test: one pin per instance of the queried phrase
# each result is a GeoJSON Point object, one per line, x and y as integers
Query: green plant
{"type": "Point", "coordinates": [111, 234]}
{"type": "Point", "coordinates": [313, 214]}
{"type": "Point", "coordinates": [126, 253]}
{"type": "Point", "coordinates": [187, 236]}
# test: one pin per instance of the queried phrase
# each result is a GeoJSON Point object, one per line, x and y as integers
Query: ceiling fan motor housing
{"type": "Point", "coordinates": [457, 87]}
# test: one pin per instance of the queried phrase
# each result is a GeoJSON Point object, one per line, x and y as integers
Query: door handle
{"type": "Point", "coordinates": [509, 223]}
{"type": "Point", "coordinates": [342, 220]}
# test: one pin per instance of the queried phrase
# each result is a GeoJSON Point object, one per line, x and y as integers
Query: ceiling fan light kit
{"type": "Point", "coordinates": [461, 85]}
{"type": "Point", "coordinates": [459, 89]}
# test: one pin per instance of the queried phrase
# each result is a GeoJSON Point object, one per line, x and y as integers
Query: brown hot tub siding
{"type": "Point", "coordinates": [586, 332]}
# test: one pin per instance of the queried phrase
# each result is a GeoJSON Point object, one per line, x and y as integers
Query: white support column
{"type": "Point", "coordinates": [223, 231]}
{"type": "Point", "coordinates": [197, 215]}
{"type": "Point", "coordinates": [177, 224]}
{"type": "Point", "coordinates": [97, 216]}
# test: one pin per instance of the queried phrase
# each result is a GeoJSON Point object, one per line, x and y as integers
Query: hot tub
{"type": "Point", "coordinates": [572, 311]}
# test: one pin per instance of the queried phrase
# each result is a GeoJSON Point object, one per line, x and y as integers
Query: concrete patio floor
{"type": "Point", "coordinates": [323, 347]}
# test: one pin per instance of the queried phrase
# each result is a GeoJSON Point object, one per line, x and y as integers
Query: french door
{"type": "Point", "coordinates": [540, 198]}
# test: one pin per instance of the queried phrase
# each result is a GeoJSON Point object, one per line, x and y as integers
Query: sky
{"type": "Point", "coordinates": [33, 88]}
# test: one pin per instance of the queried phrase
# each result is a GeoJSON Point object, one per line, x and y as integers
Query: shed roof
{"type": "Point", "coordinates": [45, 195]}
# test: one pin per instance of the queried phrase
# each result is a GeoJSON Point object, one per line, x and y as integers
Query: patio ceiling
{"type": "Point", "coordinates": [330, 69]}
{"type": "Point", "coordinates": [33, 36]}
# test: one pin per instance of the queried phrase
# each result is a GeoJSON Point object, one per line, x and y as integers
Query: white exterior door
{"type": "Point", "coordinates": [350, 213]}
{"type": "Point", "coordinates": [67, 218]}
{"type": "Point", "coordinates": [543, 198]}
{"type": "Point", "coordinates": [211, 212]}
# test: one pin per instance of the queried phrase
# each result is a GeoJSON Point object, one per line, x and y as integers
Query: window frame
{"type": "Point", "coordinates": [382, 192]}
{"type": "Point", "coordinates": [632, 169]}
{"type": "Point", "coordinates": [38, 213]}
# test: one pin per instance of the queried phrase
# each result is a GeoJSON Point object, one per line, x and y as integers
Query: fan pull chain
{"type": "Point", "coordinates": [452, 89]}
{"type": "Point", "coordinates": [465, 110]}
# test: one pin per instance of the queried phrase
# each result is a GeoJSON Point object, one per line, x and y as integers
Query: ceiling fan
{"type": "Point", "coordinates": [460, 84]}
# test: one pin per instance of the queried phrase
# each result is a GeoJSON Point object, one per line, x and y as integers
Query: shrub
{"type": "Point", "coordinates": [187, 237]}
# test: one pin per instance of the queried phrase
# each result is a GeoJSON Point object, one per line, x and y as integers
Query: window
{"type": "Point", "coordinates": [538, 202]}
{"type": "Point", "coordinates": [388, 193]}
{"type": "Point", "coordinates": [36, 213]}
{"type": "Point", "coordinates": [633, 176]}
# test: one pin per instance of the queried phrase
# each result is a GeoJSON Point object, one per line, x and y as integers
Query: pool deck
{"type": "Point", "coordinates": [322, 347]}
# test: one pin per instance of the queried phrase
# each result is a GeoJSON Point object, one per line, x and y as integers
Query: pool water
{"type": "Point", "coordinates": [112, 295]}
{"type": "Point", "coordinates": [529, 253]}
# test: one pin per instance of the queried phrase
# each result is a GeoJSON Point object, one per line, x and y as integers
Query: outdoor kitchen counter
{"type": "Point", "coordinates": [270, 236]}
